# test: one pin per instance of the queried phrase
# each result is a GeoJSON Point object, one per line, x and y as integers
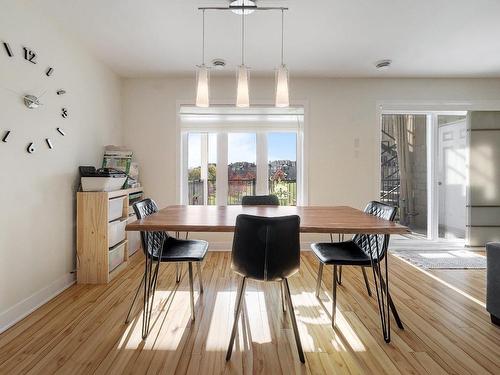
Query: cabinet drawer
{"type": "Point", "coordinates": [115, 208]}
{"type": "Point", "coordinates": [116, 256]}
{"type": "Point", "coordinates": [116, 232]}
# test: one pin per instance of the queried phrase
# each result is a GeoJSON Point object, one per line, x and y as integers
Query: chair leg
{"type": "Point", "coordinates": [150, 278]}
{"type": "Point", "coordinates": [339, 276]}
{"type": "Point", "coordinates": [191, 289]}
{"type": "Point", "coordinates": [133, 301]}
{"type": "Point", "coordinates": [178, 272]}
{"type": "Point", "coordinates": [294, 322]}
{"type": "Point", "coordinates": [240, 294]}
{"type": "Point", "coordinates": [393, 308]}
{"type": "Point", "coordinates": [198, 270]}
{"type": "Point", "coordinates": [283, 297]}
{"type": "Point", "coordinates": [320, 275]}
{"type": "Point", "coordinates": [145, 299]}
{"type": "Point", "coordinates": [366, 281]}
{"type": "Point", "coordinates": [334, 295]}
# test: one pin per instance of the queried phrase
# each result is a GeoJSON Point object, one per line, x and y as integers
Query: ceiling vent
{"type": "Point", "coordinates": [218, 63]}
{"type": "Point", "coordinates": [383, 64]}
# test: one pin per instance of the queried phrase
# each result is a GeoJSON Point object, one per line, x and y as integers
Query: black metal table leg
{"type": "Point", "coordinates": [381, 288]}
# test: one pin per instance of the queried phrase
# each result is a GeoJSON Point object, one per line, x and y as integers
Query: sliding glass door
{"type": "Point", "coordinates": [424, 171]}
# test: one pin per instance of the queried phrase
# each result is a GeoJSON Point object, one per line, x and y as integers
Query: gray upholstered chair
{"type": "Point", "coordinates": [493, 281]}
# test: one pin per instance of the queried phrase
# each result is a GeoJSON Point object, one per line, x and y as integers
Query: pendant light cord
{"type": "Point", "coordinates": [203, 40]}
{"type": "Point", "coordinates": [243, 35]}
{"type": "Point", "coordinates": [282, 34]}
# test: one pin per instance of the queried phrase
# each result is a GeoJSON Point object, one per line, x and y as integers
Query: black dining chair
{"type": "Point", "coordinates": [260, 200]}
{"type": "Point", "coordinates": [266, 249]}
{"type": "Point", "coordinates": [159, 247]}
{"type": "Point", "coordinates": [265, 200]}
{"type": "Point", "coordinates": [363, 250]}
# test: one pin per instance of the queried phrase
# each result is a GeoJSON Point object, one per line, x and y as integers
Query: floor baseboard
{"type": "Point", "coordinates": [20, 310]}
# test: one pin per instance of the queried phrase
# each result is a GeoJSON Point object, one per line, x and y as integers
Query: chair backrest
{"type": "Point", "coordinates": [145, 208]}
{"type": "Point", "coordinates": [369, 242]}
{"type": "Point", "coordinates": [260, 200]}
{"type": "Point", "coordinates": [152, 242]}
{"type": "Point", "coordinates": [266, 248]}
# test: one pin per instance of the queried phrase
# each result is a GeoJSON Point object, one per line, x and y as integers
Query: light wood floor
{"type": "Point", "coordinates": [82, 332]}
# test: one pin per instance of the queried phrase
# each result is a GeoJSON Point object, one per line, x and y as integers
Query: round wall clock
{"type": "Point", "coordinates": [28, 101]}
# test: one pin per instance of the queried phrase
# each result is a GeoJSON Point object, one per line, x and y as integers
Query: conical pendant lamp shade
{"type": "Point", "coordinates": [202, 94]}
{"type": "Point", "coordinates": [242, 97]}
{"type": "Point", "coordinates": [282, 95]}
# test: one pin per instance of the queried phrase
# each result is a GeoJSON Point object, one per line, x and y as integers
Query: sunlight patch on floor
{"type": "Point", "coordinates": [450, 254]}
{"type": "Point", "coordinates": [258, 322]}
{"type": "Point", "coordinates": [308, 300]}
{"type": "Point", "coordinates": [217, 337]}
{"type": "Point", "coordinates": [132, 337]}
{"type": "Point", "coordinates": [445, 283]}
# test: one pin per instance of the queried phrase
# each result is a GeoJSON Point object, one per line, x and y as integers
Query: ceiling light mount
{"type": "Point", "coordinates": [240, 7]}
{"type": "Point", "coordinates": [243, 5]}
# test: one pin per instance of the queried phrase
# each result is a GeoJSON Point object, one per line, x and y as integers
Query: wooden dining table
{"type": "Point", "coordinates": [313, 219]}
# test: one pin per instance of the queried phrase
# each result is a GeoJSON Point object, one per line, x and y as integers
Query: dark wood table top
{"type": "Point", "coordinates": [313, 219]}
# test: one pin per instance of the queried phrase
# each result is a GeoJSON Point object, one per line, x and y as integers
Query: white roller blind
{"type": "Point", "coordinates": [226, 118]}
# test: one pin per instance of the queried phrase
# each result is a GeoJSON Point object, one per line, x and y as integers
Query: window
{"type": "Point", "coordinates": [242, 167]}
{"type": "Point", "coordinates": [195, 181]}
{"type": "Point", "coordinates": [202, 168]}
{"type": "Point", "coordinates": [261, 148]}
{"type": "Point", "coordinates": [282, 156]}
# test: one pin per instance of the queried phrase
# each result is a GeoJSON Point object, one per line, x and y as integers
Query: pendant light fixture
{"type": "Point", "coordinates": [242, 97]}
{"type": "Point", "coordinates": [282, 93]}
{"type": "Point", "coordinates": [243, 8]}
{"type": "Point", "coordinates": [202, 76]}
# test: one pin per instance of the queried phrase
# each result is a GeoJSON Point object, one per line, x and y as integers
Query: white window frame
{"type": "Point", "coordinates": [222, 156]}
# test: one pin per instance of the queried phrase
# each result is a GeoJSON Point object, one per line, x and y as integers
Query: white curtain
{"type": "Point", "coordinates": [403, 126]}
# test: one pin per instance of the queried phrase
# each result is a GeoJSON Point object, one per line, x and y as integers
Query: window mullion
{"type": "Point", "coordinates": [221, 171]}
{"type": "Point", "coordinates": [262, 187]}
{"type": "Point", "coordinates": [184, 169]}
{"type": "Point", "coordinates": [204, 166]}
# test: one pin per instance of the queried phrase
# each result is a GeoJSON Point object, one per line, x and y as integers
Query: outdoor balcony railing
{"type": "Point", "coordinates": [285, 190]}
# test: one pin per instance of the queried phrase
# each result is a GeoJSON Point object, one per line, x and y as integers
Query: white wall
{"type": "Point", "coordinates": [37, 192]}
{"type": "Point", "coordinates": [340, 114]}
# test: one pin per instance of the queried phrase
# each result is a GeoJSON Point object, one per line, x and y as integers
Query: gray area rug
{"type": "Point", "coordinates": [442, 259]}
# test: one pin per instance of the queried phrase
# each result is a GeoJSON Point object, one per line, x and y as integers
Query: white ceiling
{"type": "Point", "coordinates": [335, 38]}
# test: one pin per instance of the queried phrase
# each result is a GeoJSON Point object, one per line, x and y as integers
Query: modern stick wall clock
{"type": "Point", "coordinates": [32, 92]}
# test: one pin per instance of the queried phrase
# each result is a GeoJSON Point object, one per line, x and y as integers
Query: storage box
{"type": "Point", "coordinates": [116, 232]}
{"type": "Point", "coordinates": [102, 183]}
{"type": "Point", "coordinates": [115, 208]}
{"type": "Point", "coordinates": [116, 256]}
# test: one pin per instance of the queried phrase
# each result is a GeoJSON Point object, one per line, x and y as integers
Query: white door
{"type": "Point", "coordinates": [452, 176]}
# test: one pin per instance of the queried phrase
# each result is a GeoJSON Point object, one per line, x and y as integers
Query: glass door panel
{"type": "Point", "coordinates": [282, 167]}
{"type": "Point", "coordinates": [242, 171]}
